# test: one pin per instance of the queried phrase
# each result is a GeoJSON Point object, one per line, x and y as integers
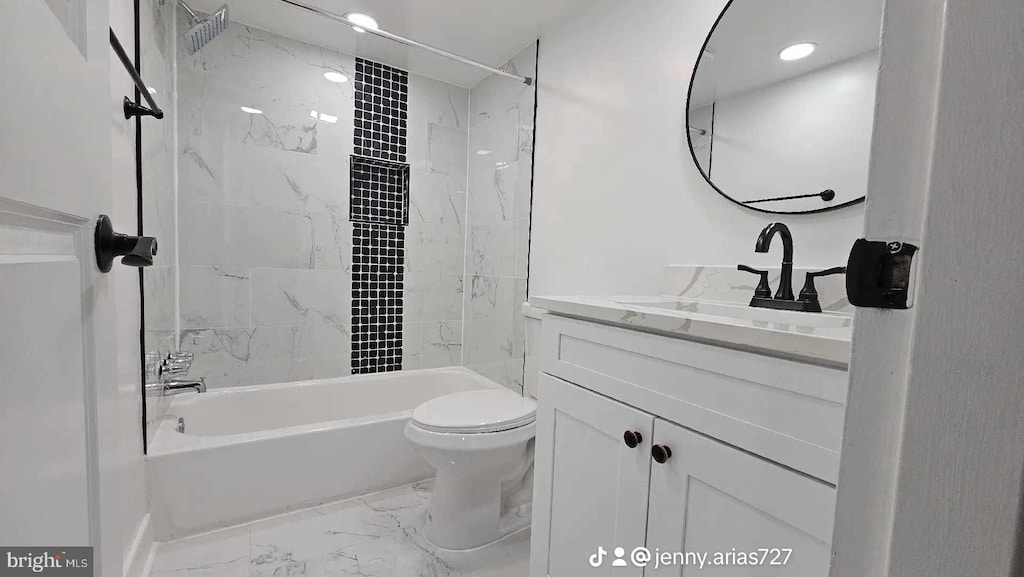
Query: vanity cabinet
{"type": "Point", "coordinates": [644, 440]}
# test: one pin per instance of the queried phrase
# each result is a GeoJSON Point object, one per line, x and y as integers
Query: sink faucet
{"type": "Point", "coordinates": [764, 241]}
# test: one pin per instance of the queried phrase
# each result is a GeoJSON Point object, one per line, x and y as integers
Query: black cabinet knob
{"type": "Point", "coordinates": [632, 439]}
{"type": "Point", "coordinates": [661, 453]}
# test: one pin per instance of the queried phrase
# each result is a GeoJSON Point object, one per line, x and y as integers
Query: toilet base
{"type": "Point", "coordinates": [467, 514]}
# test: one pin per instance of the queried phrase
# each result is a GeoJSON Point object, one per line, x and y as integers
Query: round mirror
{"type": "Point", "coordinates": [781, 103]}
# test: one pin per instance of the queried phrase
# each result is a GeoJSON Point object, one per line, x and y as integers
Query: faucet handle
{"type": "Point", "coordinates": [809, 292]}
{"type": "Point", "coordinates": [763, 290]}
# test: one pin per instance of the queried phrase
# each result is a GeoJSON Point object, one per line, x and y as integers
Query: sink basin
{"type": "Point", "coordinates": [757, 316]}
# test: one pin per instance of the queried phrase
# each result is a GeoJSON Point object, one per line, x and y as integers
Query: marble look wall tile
{"type": "Point", "coordinates": [214, 234]}
{"type": "Point", "coordinates": [446, 150]}
{"type": "Point", "coordinates": [433, 297]}
{"type": "Point", "coordinates": [158, 284]}
{"type": "Point", "coordinates": [332, 241]}
{"type": "Point", "coordinates": [492, 249]}
{"type": "Point", "coordinates": [245, 356]}
{"type": "Point", "coordinates": [727, 284]}
{"type": "Point", "coordinates": [290, 297]}
{"type": "Point", "coordinates": [441, 344]}
{"type": "Point", "coordinates": [296, 183]}
{"type": "Point", "coordinates": [436, 198]}
{"type": "Point", "coordinates": [499, 193]}
{"type": "Point", "coordinates": [495, 142]}
{"type": "Point", "coordinates": [491, 330]}
{"type": "Point", "coordinates": [214, 297]}
{"type": "Point", "coordinates": [522, 248]}
{"type": "Point", "coordinates": [434, 248]}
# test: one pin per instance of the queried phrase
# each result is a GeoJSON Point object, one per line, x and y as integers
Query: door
{"type": "Point", "coordinates": [56, 330]}
{"type": "Point", "coordinates": [725, 512]}
{"type": "Point", "coordinates": [591, 487]}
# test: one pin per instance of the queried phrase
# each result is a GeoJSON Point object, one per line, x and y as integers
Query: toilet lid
{"type": "Point", "coordinates": [475, 412]}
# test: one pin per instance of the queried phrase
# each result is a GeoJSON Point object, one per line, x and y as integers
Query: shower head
{"type": "Point", "coordinates": [205, 30]}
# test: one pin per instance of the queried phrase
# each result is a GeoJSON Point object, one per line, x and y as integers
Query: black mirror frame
{"type": "Point", "coordinates": [693, 154]}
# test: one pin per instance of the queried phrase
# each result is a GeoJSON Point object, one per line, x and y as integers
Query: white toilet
{"type": "Point", "coordinates": [481, 443]}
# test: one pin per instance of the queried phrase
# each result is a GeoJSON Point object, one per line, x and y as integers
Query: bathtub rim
{"type": "Point", "coordinates": [167, 441]}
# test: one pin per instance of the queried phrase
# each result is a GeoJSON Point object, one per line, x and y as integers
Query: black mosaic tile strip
{"type": "Point", "coordinates": [379, 192]}
{"type": "Point", "coordinates": [378, 277]}
{"type": "Point", "coordinates": [381, 111]}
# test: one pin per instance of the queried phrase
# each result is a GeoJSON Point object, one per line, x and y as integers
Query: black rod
{"type": "Point", "coordinates": [825, 195]}
{"type": "Point", "coordinates": [130, 108]}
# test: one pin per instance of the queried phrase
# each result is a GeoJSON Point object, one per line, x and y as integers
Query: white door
{"type": "Point", "coordinates": [740, 514]}
{"type": "Point", "coordinates": [56, 308]}
{"type": "Point", "coordinates": [591, 488]}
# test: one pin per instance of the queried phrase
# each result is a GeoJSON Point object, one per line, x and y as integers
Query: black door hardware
{"type": "Point", "coordinates": [138, 251]}
{"type": "Point", "coordinates": [661, 453]}
{"type": "Point", "coordinates": [879, 274]}
{"type": "Point", "coordinates": [632, 439]}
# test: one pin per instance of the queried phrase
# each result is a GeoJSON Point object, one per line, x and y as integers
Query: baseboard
{"type": "Point", "coordinates": [139, 556]}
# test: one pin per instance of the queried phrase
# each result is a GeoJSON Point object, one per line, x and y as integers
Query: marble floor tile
{"type": "Point", "coordinates": [379, 535]}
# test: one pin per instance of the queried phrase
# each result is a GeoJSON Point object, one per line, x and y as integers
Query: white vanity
{"type": "Point", "coordinates": [687, 426]}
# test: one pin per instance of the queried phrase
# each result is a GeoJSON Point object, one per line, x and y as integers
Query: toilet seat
{"type": "Point", "coordinates": [475, 412]}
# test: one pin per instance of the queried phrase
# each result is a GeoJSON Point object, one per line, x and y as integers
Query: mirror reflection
{"type": "Point", "coordinates": [781, 103]}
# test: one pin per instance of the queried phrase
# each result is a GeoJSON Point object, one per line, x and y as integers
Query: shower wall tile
{"type": "Point", "coordinates": [290, 297]}
{"type": "Point", "coordinates": [498, 221]}
{"type": "Point", "coordinates": [158, 297]}
{"type": "Point", "coordinates": [441, 344]}
{"type": "Point", "coordinates": [492, 250]}
{"type": "Point", "coordinates": [264, 198]}
{"type": "Point", "coordinates": [215, 297]}
{"type": "Point", "coordinates": [214, 234]}
{"type": "Point", "coordinates": [437, 199]}
{"type": "Point", "coordinates": [433, 296]}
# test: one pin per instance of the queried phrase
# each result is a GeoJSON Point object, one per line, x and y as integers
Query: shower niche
{"type": "Point", "coordinates": [322, 214]}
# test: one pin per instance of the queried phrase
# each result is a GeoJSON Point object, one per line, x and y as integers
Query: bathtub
{"type": "Point", "coordinates": [250, 452]}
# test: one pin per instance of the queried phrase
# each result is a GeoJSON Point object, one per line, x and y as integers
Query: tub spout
{"type": "Point", "coordinates": [177, 387]}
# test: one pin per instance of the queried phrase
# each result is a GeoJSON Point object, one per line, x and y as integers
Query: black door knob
{"type": "Point", "coordinates": [661, 453]}
{"type": "Point", "coordinates": [138, 251]}
{"type": "Point", "coordinates": [632, 439]}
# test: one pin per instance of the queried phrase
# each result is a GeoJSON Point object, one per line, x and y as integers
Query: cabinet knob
{"type": "Point", "coordinates": [661, 453]}
{"type": "Point", "coordinates": [632, 439]}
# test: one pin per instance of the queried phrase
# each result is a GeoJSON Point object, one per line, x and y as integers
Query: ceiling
{"type": "Point", "coordinates": [747, 41]}
{"type": "Point", "coordinates": [489, 31]}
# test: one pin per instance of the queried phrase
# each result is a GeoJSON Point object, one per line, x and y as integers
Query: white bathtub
{"type": "Point", "coordinates": [249, 452]}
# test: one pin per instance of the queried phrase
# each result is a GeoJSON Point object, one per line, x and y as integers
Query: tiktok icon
{"type": "Point", "coordinates": [597, 559]}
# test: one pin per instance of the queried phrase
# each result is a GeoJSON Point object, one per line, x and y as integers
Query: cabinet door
{"type": "Point", "coordinates": [590, 487]}
{"type": "Point", "coordinates": [710, 498]}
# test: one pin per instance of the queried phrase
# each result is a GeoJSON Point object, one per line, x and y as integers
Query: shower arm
{"type": "Point", "coordinates": [191, 13]}
{"type": "Point", "coordinates": [412, 43]}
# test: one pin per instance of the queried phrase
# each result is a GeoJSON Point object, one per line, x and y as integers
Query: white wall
{"type": "Point", "coordinates": [616, 194]}
{"type": "Point", "coordinates": [802, 136]}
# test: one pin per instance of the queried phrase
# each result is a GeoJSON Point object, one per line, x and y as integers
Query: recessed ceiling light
{"type": "Point", "coordinates": [249, 110]}
{"type": "Point", "coordinates": [797, 51]}
{"type": "Point", "coordinates": [360, 22]}
{"type": "Point", "coordinates": [328, 118]}
{"type": "Point", "coordinates": [483, 152]}
{"type": "Point", "coordinates": [335, 76]}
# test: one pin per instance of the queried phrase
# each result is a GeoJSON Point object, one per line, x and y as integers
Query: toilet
{"type": "Point", "coordinates": [481, 443]}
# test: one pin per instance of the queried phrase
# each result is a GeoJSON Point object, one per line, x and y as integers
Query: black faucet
{"type": "Point", "coordinates": [784, 299]}
{"type": "Point", "coordinates": [764, 241]}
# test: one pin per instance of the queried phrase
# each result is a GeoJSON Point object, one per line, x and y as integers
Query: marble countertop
{"type": "Point", "coordinates": [818, 338]}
